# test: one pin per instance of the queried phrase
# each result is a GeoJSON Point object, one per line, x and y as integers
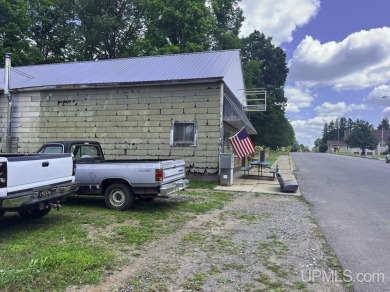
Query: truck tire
{"type": "Point", "coordinates": [34, 214]}
{"type": "Point", "coordinates": [118, 196]}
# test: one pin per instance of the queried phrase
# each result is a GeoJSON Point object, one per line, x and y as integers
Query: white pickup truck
{"type": "Point", "coordinates": [120, 181]}
{"type": "Point", "coordinates": [31, 184]}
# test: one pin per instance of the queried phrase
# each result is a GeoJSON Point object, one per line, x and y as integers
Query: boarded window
{"type": "Point", "coordinates": [183, 133]}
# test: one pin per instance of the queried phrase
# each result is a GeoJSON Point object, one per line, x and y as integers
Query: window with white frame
{"type": "Point", "coordinates": [184, 133]}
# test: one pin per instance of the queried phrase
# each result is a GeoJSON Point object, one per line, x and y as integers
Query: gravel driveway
{"type": "Point", "coordinates": [257, 242]}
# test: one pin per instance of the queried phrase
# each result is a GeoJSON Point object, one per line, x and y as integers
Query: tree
{"type": "Point", "coordinates": [350, 124]}
{"type": "Point", "coordinates": [228, 18]}
{"type": "Point", "coordinates": [106, 29]}
{"type": "Point", "coordinates": [362, 137]}
{"type": "Point", "coordinates": [282, 134]}
{"type": "Point", "coordinates": [51, 28]}
{"type": "Point", "coordinates": [295, 147]}
{"type": "Point", "coordinates": [265, 67]}
{"type": "Point", "coordinates": [384, 124]}
{"type": "Point", "coordinates": [320, 146]}
{"type": "Point", "coordinates": [15, 37]}
{"type": "Point", "coordinates": [175, 26]}
{"type": "Point", "coordinates": [271, 59]}
{"type": "Point", "coordinates": [343, 125]}
{"type": "Point", "coordinates": [334, 130]}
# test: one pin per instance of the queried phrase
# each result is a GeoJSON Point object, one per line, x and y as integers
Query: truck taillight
{"type": "Point", "coordinates": [74, 166]}
{"type": "Point", "coordinates": [159, 175]}
{"type": "Point", "coordinates": [3, 174]}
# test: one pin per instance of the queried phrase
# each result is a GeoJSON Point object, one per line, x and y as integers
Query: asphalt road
{"type": "Point", "coordinates": [350, 198]}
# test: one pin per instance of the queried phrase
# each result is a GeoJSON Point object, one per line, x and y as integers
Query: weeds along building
{"type": "Point", "coordinates": [184, 106]}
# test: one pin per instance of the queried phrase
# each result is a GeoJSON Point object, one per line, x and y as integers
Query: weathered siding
{"type": "Point", "coordinates": [129, 122]}
{"type": "Point", "coordinates": [3, 122]}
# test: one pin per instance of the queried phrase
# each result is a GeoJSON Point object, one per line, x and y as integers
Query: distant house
{"type": "Point", "coordinates": [381, 136]}
{"type": "Point", "coordinates": [335, 146]}
{"type": "Point", "coordinates": [184, 105]}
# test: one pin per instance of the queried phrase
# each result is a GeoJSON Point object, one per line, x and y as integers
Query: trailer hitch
{"type": "Point", "coordinates": [56, 205]}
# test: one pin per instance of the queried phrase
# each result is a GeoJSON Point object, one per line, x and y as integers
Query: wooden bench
{"type": "Point", "coordinates": [288, 186]}
{"type": "Point", "coordinates": [246, 169]}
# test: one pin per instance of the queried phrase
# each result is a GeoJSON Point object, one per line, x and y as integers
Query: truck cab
{"type": "Point", "coordinates": [81, 150]}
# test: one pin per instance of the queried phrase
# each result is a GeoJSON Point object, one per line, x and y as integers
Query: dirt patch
{"type": "Point", "coordinates": [255, 243]}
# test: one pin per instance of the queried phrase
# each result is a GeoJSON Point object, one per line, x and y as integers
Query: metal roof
{"type": "Point", "coordinates": [165, 68]}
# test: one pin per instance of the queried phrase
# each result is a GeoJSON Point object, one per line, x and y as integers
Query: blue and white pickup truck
{"type": "Point", "coordinates": [120, 181]}
{"type": "Point", "coordinates": [31, 184]}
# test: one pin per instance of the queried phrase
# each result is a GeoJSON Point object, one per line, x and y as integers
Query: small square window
{"type": "Point", "coordinates": [183, 133]}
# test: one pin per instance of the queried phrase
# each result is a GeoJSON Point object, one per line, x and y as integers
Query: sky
{"type": "Point", "coordinates": [338, 54]}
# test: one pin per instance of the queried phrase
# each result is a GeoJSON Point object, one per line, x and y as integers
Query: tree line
{"type": "Point", "coordinates": [361, 134]}
{"type": "Point", "coordinates": [54, 31]}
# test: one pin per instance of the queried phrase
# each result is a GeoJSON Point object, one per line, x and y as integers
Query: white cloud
{"type": "Point", "coordinates": [362, 60]}
{"type": "Point", "coordinates": [277, 19]}
{"type": "Point", "coordinates": [307, 131]}
{"type": "Point", "coordinates": [386, 112]}
{"type": "Point", "coordinates": [376, 96]}
{"type": "Point", "coordinates": [334, 110]}
{"type": "Point", "coordinates": [297, 98]}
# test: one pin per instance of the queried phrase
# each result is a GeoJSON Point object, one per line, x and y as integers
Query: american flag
{"type": "Point", "coordinates": [242, 143]}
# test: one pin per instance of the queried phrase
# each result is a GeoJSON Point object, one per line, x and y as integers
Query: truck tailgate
{"type": "Point", "coordinates": [42, 170]}
{"type": "Point", "coordinates": [173, 170]}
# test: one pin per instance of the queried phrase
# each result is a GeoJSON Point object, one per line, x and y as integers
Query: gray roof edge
{"type": "Point", "coordinates": [115, 84]}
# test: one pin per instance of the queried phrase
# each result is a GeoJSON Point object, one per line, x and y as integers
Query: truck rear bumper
{"type": "Point", "coordinates": [173, 187]}
{"type": "Point", "coordinates": [24, 199]}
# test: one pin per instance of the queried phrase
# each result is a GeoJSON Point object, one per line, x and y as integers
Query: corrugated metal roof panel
{"type": "Point", "coordinates": [203, 65]}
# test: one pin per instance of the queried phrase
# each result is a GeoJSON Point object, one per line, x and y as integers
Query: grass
{"type": "Point", "coordinates": [373, 156]}
{"type": "Point", "coordinates": [195, 282]}
{"type": "Point", "coordinates": [199, 184]}
{"type": "Point", "coordinates": [77, 245]}
{"type": "Point", "coordinates": [272, 156]}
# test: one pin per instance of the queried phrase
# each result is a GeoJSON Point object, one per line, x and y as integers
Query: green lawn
{"type": "Point", "coordinates": [76, 245]}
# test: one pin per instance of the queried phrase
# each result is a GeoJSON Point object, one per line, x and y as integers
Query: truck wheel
{"type": "Point", "coordinates": [119, 197]}
{"type": "Point", "coordinates": [34, 214]}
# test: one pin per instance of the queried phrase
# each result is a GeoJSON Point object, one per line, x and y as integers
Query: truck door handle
{"type": "Point", "coordinates": [45, 164]}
